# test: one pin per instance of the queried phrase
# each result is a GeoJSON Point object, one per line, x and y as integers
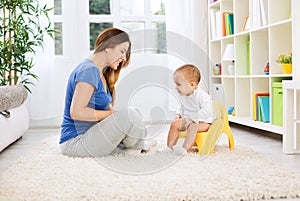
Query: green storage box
{"type": "Point", "coordinates": [277, 96]}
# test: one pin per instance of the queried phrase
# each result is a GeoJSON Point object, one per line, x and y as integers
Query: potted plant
{"type": "Point", "coordinates": [286, 62]}
{"type": "Point", "coordinates": [21, 33]}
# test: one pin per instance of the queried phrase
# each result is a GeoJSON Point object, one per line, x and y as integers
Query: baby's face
{"type": "Point", "coordinates": [183, 87]}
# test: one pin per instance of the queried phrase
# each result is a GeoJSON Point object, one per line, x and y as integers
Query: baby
{"type": "Point", "coordinates": [195, 113]}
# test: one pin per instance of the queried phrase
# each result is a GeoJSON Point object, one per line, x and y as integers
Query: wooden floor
{"type": "Point", "coordinates": [265, 143]}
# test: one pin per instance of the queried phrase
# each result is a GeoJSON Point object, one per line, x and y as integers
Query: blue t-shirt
{"type": "Point", "coordinates": [87, 72]}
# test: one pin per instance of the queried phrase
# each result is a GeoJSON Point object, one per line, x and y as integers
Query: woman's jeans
{"type": "Point", "coordinates": [102, 139]}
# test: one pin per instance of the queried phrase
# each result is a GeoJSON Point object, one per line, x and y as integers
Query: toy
{"type": "Point", "coordinates": [218, 69]}
{"type": "Point", "coordinates": [233, 112]}
{"type": "Point", "coordinates": [267, 69]}
{"type": "Point", "coordinates": [230, 110]}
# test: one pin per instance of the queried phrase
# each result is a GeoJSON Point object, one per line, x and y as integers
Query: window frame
{"type": "Point", "coordinates": [83, 18]}
{"type": "Point", "coordinates": [59, 19]}
{"type": "Point", "coordinates": [148, 18]}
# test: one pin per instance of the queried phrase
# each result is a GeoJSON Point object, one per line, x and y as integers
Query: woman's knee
{"type": "Point", "coordinates": [129, 120]}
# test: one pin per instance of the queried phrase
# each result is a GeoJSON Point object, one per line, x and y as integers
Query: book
{"type": "Point", "coordinates": [264, 12]}
{"type": "Point", "coordinates": [231, 23]}
{"type": "Point", "coordinates": [259, 118]}
{"type": "Point", "coordinates": [256, 105]}
{"type": "Point", "coordinates": [264, 108]}
{"type": "Point", "coordinates": [213, 24]}
{"type": "Point", "coordinates": [227, 23]}
{"type": "Point", "coordinates": [245, 23]}
{"type": "Point", "coordinates": [256, 10]}
{"type": "Point", "coordinates": [219, 25]}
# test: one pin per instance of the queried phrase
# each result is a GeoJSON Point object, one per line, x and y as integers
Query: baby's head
{"type": "Point", "coordinates": [186, 78]}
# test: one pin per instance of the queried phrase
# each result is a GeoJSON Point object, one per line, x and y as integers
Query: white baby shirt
{"type": "Point", "coordinates": [197, 106]}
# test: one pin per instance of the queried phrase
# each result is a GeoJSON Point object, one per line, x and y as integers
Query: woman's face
{"type": "Point", "coordinates": [117, 54]}
{"type": "Point", "coordinates": [183, 87]}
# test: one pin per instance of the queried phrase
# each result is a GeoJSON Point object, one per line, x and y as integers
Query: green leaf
{"type": "Point", "coordinates": [18, 49]}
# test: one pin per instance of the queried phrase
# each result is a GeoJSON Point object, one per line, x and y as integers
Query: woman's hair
{"type": "Point", "coordinates": [110, 38]}
{"type": "Point", "coordinates": [190, 72]}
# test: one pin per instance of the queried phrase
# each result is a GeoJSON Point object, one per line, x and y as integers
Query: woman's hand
{"type": "Point", "coordinates": [79, 110]}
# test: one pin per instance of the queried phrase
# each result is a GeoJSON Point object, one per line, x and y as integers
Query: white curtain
{"type": "Point", "coordinates": [40, 102]}
{"type": "Point", "coordinates": [46, 103]}
{"type": "Point", "coordinates": [187, 35]}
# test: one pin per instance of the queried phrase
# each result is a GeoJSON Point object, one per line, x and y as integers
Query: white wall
{"type": "Point", "coordinates": [146, 83]}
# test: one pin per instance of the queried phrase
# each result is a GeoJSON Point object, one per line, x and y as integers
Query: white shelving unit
{"type": "Point", "coordinates": [254, 48]}
{"type": "Point", "coordinates": [291, 136]}
{"type": "Point", "coordinates": [291, 94]}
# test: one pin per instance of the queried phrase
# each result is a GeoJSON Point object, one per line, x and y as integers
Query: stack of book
{"type": "Point", "coordinates": [259, 13]}
{"type": "Point", "coordinates": [221, 24]}
{"type": "Point", "coordinates": [228, 28]}
{"type": "Point", "coordinates": [261, 106]}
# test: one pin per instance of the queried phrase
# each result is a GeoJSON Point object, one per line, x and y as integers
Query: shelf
{"type": "Point", "coordinates": [271, 75]}
{"type": "Point", "coordinates": [215, 41]}
{"type": "Point", "coordinates": [244, 33]}
{"type": "Point", "coordinates": [216, 76]}
{"type": "Point", "coordinates": [253, 76]}
{"type": "Point", "coordinates": [228, 76]}
{"type": "Point", "coordinates": [260, 29]}
{"type": "Point", "coordinates": [246, 121]}
{"type": "Point", "coordinates": [253, 49]}
{"type": "Point", "coordinates": [287, 21]}
{"type": "Point", "coordinates": [281, 75]}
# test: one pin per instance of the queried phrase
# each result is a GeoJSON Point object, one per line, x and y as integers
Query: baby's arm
{"type": "Point", "coordinates": [206, 112]}
{"type": "Point", "coordinates": [178, 113]}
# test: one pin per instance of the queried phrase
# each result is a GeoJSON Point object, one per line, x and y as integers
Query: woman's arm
{"type": "Point", "coordinates": [79, 110]}
{"type": "Point", "coordinates": [110, 107]}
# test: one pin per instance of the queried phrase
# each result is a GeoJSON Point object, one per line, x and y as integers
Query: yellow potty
{"type": "Point", "coordinates": [206, 141]}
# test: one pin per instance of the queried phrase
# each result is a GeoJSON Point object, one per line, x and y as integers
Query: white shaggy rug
{"type": "Point", "coordinates": [242, 174]}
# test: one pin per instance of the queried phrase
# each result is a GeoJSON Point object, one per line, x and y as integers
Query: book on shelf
{"type": "Point", "coordinates": [231, 25]}
{"type": "Point", "coordinates": [218, 18]}
{"type": "Point", "coordinates": [264, 12]}
{"type": "Point", "coordinates": [264, 108]}
{"type": "Point", "coordinates": [213, 30]}
{"type": "Point", "coordinates": [259, 13]}
{"type": "Point", "coordinates": [221, 24]}
{"type": "Point", "coordinates": [227, 23]}
{"type": "Point", "coordinates": [261, 108]}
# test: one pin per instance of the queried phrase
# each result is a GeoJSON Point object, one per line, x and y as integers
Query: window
{"type": "Point", "coordinates": [133, 16]}
{"type": "Point", "coordinates": [146, 17]}
{"type": "Point", "coordinates": [58, 26]}
{"type": "Point", "coordinates": [99, 7]}
{"type": "Point", "coordinates": [57, 7]}
{"type": "Point", "coordinates": [58, 38]}
{"type": "Point", "coordinates": [94, 31]}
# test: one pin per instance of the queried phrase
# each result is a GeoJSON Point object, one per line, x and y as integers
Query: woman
{"type": "Point", "coordinates": [90, 126]}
